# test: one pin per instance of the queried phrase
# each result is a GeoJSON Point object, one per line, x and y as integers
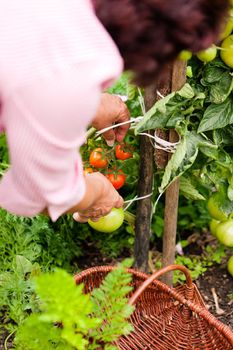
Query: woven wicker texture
{"type": "Point", "coordinates": [165, 318]}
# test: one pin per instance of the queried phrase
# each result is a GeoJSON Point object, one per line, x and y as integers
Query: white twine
{"type": "Point", "coordinates": [161, 143]}
{"type": "Point", "coordinates": [131, 120]}
{"type": "Point", "coordinates": [142, 102]}
{"type": "Point", "coordinates": [158, 142]}
{"type": "Point", "coordinates": [159, 94]}
{"type": "Point", "coordinates": [136, 198]}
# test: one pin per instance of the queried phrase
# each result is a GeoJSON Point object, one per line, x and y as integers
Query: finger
{"type": "Point", "coordinates": [95, 219]}
{"type": "Point", "coordinates": [77, 217]}
{"type": "Point", "coordinates": [119, 203]}
{"type": "Point", "coordinates": [109, 137]}
{"type": "Point", "coordinates": [122, 130]}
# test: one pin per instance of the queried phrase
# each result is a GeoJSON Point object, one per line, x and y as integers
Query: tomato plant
{"type": "Point", "coordinates": [208, 54]}
{"type": "Point", "coordinates": [98, 158]}
{"type": "Point", "coordinates": [230, 266]}
{"type": "Point", "coordinates": [123, 151]}
{"type": "Point", "coordinates": [117, 178]}
{"type": "Point", "coordinates": [224, 233]}
{"type": "Point", "coordinates": [110, 222]}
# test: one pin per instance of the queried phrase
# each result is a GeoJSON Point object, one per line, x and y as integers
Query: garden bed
{"type": "Point", "coordinates": [215, 277]}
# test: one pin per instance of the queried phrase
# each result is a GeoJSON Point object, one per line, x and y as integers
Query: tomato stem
{"type": "Point", "coordinates": [90, 132]}
{"type": "Point", "coordinates": [129, 218]}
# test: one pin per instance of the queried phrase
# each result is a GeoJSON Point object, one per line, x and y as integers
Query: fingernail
{"type": "Point", "coordinates": [110, 143]}
{"type": "Point", "coordinates": [76, 216]}
{"type": "Point", "coordinates": [95, 219]}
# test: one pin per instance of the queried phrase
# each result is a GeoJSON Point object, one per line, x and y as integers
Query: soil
{"type": "Point", "coordinates": [222, 282]}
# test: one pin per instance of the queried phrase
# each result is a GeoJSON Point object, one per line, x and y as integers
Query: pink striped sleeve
{"type": "Point", "coordinates": [45, 124]}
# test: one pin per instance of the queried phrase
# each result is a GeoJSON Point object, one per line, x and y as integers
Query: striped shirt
{"type": "Point", "coordinates": [55, 58]}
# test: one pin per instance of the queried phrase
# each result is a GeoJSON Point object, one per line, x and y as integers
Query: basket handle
{"type": "Point", "coordinates": [156, 275]}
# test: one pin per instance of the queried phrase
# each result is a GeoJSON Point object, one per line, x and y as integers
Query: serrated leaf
{"type": "Point", "coordinates": [217, 116]}
{"type": "Point", "coordinates": [186, 92]}
{"type": "Point", "coordinates": [183, 158]}
{"type": "Point", "coordinates": [222, 89]}
{"type": "Point", "coordinates": [166, 112]}
{"type": "Point", "coordinates": [156, 117]}
{"type": "Point", "coordinates": [188, 190]}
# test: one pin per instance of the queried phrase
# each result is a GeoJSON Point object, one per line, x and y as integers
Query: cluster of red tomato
{"type": "Point", "coordinates": [100, 159]}
{"type": "Point", "coordinates": [105, 160]}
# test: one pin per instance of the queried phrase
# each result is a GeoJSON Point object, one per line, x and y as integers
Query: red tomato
{"type": "Point", "coordinates": [123, 151]}
{"type": "Point", "coordinates": [117, 179]}
{"type": "Point", "coordinates": [98, 159]}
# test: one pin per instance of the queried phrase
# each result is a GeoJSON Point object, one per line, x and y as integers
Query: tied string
{"type": "Point", "coordinates": [161, 143]}
{"type": "Point", "coordinates": [131, 120]}
{"type": "Point", "coordinates": [136, 198]}
{"type": "Point", "coordinates": [158, 142]}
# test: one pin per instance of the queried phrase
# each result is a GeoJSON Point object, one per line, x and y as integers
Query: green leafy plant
{"type": "Point", "coordinates": [198, 265]}
{"type": "Point", "coordinates": [69, 319]}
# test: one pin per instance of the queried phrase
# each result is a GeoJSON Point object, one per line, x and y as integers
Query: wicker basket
{"type": "Point", "coordinates": [165, 318]}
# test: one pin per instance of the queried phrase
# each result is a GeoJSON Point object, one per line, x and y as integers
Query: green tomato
{"type": "Point", "coordinates": [219, 206]}
{"type": "Point", "coordinates": [110, 222]}
{"type": "Point", "coordinates": [213, 226]}
{"type": "Point", "coordinates": [224, 233]}
{"type": "Point", "coordinates": [230, 266]}
{"type": "Point", "coordinates": [185, 55]}
{"type": "Point", "coordinates": [228, 27]}
{"type": "Point", "coordinates": [227, 52]}
{"type": "Point", "coordinates": [208, 54]}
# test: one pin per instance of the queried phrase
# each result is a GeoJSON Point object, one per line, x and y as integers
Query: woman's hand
{"type": "Point", "coordinates": [112, 110]}
{"type": "Point", "coordinates": [99, 199]}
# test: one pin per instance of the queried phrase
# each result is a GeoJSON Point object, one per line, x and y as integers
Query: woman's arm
{"type": "Point", "coordinates": [46, 124]}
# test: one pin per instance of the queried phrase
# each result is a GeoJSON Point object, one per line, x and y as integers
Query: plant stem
{"type": "Point", "coordinates": [90, 132]}
{"type": "Point", "coordinates": [130, 218]}
{"type": "Point", "coordinates": [6, 340]}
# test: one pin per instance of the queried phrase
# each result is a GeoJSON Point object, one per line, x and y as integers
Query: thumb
{"type": "Point", "coordinates": [109, 137]}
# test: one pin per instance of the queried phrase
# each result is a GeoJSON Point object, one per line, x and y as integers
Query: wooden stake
{"type": "Point", "coordinates": [172, 193]}
{"type": "Point", "coordinates": [145, 184]}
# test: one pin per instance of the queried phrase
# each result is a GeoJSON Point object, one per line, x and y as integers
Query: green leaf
{"type": "Point", "coordinates": [156, 117]}
{"type": "Point", "coordinates": [35, 335]}
{"type": "Point", "coordinates": [222, 89]}
{"type": "Point", "coordinates": [23, 265]}
{"type": "Point", "coordinates": [230, 193]}
{"type": "Point", "coordinates": [169, 111]}
{"type": "Point", "coordinates": [188, 190]}
{"type": "Point", "coordinates": [217, 116]}
{"type": "Point", "coordinates": [223, 136]}
{"type": "Point", "coordinates": [186, 92]}
{"type": "Point", "coordinates": [183, 158]}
